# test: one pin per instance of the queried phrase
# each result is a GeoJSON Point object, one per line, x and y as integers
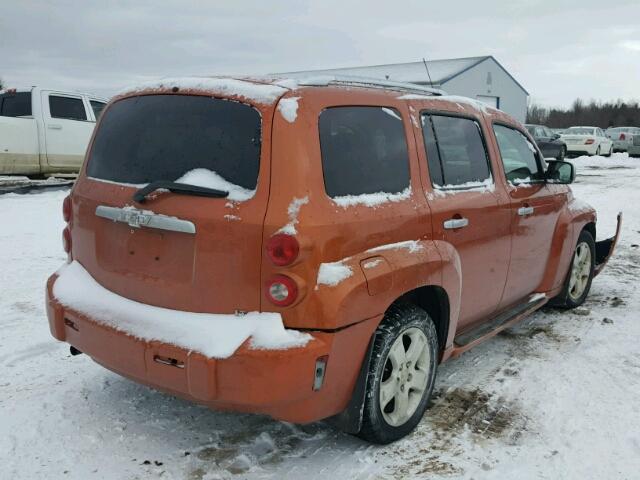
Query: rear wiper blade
{"type": "Point", "coordinates": [141, 195]}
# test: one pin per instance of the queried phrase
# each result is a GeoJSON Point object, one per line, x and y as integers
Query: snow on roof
{"type": "Point", "coordinates": [247, 88]}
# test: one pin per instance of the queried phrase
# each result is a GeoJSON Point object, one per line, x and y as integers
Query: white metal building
{"type": "Point", "coordinates": [482, 78]}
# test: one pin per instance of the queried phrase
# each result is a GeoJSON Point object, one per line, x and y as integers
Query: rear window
{"type": "Point", "coordinates": [162, 137]}
{"type": "Point", "coordinates": [67, 108]}
{"type": "Point", "coordinates": [364, 150]}
{"type": "Point", "coordinates": [579, 131]}
{"type": "Point", "coordinates": [15, 104]}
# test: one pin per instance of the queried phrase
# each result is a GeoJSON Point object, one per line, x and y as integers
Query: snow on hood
{"type": "Point", "coordinates": [258, 92]}
{"type": "Point", "coordinates": [201, 177]}
{"type": "Point", "coordinates": [213, 335]}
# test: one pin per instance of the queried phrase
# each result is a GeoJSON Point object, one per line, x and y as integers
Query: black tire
{"type": "Point", "coordinates": [566, 299]}
{"type": "Point", "coordinates": [562, 154]}
{"type": "Point", "coordinates": [399, 319]}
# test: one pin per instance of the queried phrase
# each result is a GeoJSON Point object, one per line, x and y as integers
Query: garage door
{"type": "Point", "coordinates": [491, 101]}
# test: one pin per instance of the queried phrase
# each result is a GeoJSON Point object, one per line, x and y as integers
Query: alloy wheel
{"type": "Point", "coordinates": [405, 376]}
{"type": "Point", "coordinates": [580, 271]}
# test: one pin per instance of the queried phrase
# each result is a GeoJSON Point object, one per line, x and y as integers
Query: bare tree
{"type": "Point", "coordinates": [599, 114]}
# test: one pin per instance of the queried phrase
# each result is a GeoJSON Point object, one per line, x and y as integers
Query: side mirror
{"type": "Point", "coordinates": [560, 172]}
{"type": "Point", "coordinates": [556, 136]}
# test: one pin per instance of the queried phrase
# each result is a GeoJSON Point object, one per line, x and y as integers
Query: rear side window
{"type": "Point", "coordinates": [97, 108]}
{"type": "Point", "coordinates": [67, 108]}
{"type": "Point", "coordinates": [519, 156]}
{"type": "Point", "coordinates": [15, 104]}
{"type": "Point", "coordinates": [162, 137]}
{"type": "Point", "coordinates": [364, 150]}
{"type": "Point", "coordinates": [456, 151]}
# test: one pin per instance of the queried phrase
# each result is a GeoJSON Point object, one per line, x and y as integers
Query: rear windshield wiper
{"type": "Point", "coordinates": [141, 195]}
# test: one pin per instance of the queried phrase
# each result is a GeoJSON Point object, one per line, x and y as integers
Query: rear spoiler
{"type": "Point", "coordinates": [605, 248]}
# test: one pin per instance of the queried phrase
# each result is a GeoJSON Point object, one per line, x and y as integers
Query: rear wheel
{"type": "Point", "coordinates": [578, 281]}
{"type": "Point", "coordinates": [401, 374]}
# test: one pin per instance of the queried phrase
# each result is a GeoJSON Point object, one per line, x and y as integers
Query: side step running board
{"type": "Point", "coordinates": [471, 338]}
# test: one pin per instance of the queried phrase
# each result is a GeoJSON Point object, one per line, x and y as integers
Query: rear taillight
{"type": "Point", "coordinates": [66, 239]}
{"type": "Point", "coordinates": [283, 249]}
{"type": "Point", "coordinates": [281, 290]}
{"type": "Point", "coordinates": [66, 208]}
{"type": "Point", "coordinates": [589, 141]}
{"type": "Point", "coordinates": [622, 136]}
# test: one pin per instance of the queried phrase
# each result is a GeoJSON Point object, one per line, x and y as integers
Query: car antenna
{"type": "Point", "coordinates": [427, 68]}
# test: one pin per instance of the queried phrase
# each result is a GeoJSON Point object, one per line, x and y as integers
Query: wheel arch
{"type": "Point", "coordinates": [435, 301]}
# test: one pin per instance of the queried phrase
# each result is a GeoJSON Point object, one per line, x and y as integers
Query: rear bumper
{"type": "Point", "coordinates": [620, 145]}
{"type": "Point", "coordinates": [278, 383]}
{"type": "Point", "coordinates": [582, 148]}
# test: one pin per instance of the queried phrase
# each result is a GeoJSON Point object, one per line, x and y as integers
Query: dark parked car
{"type": "Point", "coordinates": [549, 142]}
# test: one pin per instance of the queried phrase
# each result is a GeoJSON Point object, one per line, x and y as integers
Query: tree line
{"type": "Point", "coordinates": [598, 114]}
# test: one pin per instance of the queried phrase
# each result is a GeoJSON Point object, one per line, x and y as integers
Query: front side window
{"type": "Point", "coordinates": [67, 108]}
{"type": "Point", "coordinates": [97, 108]}
{"type": "Point", "coordinates": [364, 150]}
{"type": "Point", "coordinates": [519, 156]}
{"type": "Point", "coordinates": [455, 151]}
{"type": "Point", "coordinates": [15, 104]}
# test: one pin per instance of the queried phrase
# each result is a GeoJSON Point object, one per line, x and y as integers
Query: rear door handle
{"type": "Point", "coordinates": [454, 223]}
{"type": "Point", "coordinates": [54, 126]}
{"type": "Point", "coordinates": [524, 211]}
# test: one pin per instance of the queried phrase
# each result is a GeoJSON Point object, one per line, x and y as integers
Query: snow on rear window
{"type": "Point", "coordinates": [201, 177]}
{"type": "Point", "coordinates": [213, 335]}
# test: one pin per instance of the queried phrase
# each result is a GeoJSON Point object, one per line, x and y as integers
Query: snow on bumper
{"type": "Point", "coordinates": [213, 335]}
{"type": "Point", "coordinates": [276, 381]}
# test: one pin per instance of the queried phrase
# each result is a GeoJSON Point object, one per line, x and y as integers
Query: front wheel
{"type": "Point", "coordinates": [401, 374]}
{"type": "Point", "coordinates": [578, 281]}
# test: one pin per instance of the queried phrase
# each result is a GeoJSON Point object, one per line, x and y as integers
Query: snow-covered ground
{"type": "Point", "coordinates": [556, 397]}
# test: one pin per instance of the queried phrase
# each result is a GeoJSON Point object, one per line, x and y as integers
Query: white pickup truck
{"type": "Point", "coordinates": [44, 132]}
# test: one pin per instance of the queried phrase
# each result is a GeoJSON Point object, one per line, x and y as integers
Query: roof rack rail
{"type": "Point", "coordinates": [348, 80]}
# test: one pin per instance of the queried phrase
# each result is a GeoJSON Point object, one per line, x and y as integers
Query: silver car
{"type": "Point", "coordinates": [634, 148]}
{"type": "Point", "coordinates": [622, 137]}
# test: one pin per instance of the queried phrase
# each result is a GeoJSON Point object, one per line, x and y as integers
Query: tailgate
{"type": "Point", "coordinates": [177, 251]}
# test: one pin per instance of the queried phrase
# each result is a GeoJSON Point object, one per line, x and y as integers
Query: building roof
{"type": "Point", "coordinates": [440, 71]}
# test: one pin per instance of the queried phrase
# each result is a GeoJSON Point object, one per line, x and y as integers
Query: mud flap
{"type": "Point", "coordinates": [350, 419]}
{"type": "Point", "coordinates": [605, 248]}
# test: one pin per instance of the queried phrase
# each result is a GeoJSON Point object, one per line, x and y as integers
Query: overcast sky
{"type": "Point", "coordinates": [558, 50]}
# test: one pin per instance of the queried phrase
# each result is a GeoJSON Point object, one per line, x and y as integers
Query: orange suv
{"type": "Point", "coordinates": [311, 249]}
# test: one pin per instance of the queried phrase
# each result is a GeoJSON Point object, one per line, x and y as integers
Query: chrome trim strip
{"type": "Point", "coordinates": [138, 218]}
